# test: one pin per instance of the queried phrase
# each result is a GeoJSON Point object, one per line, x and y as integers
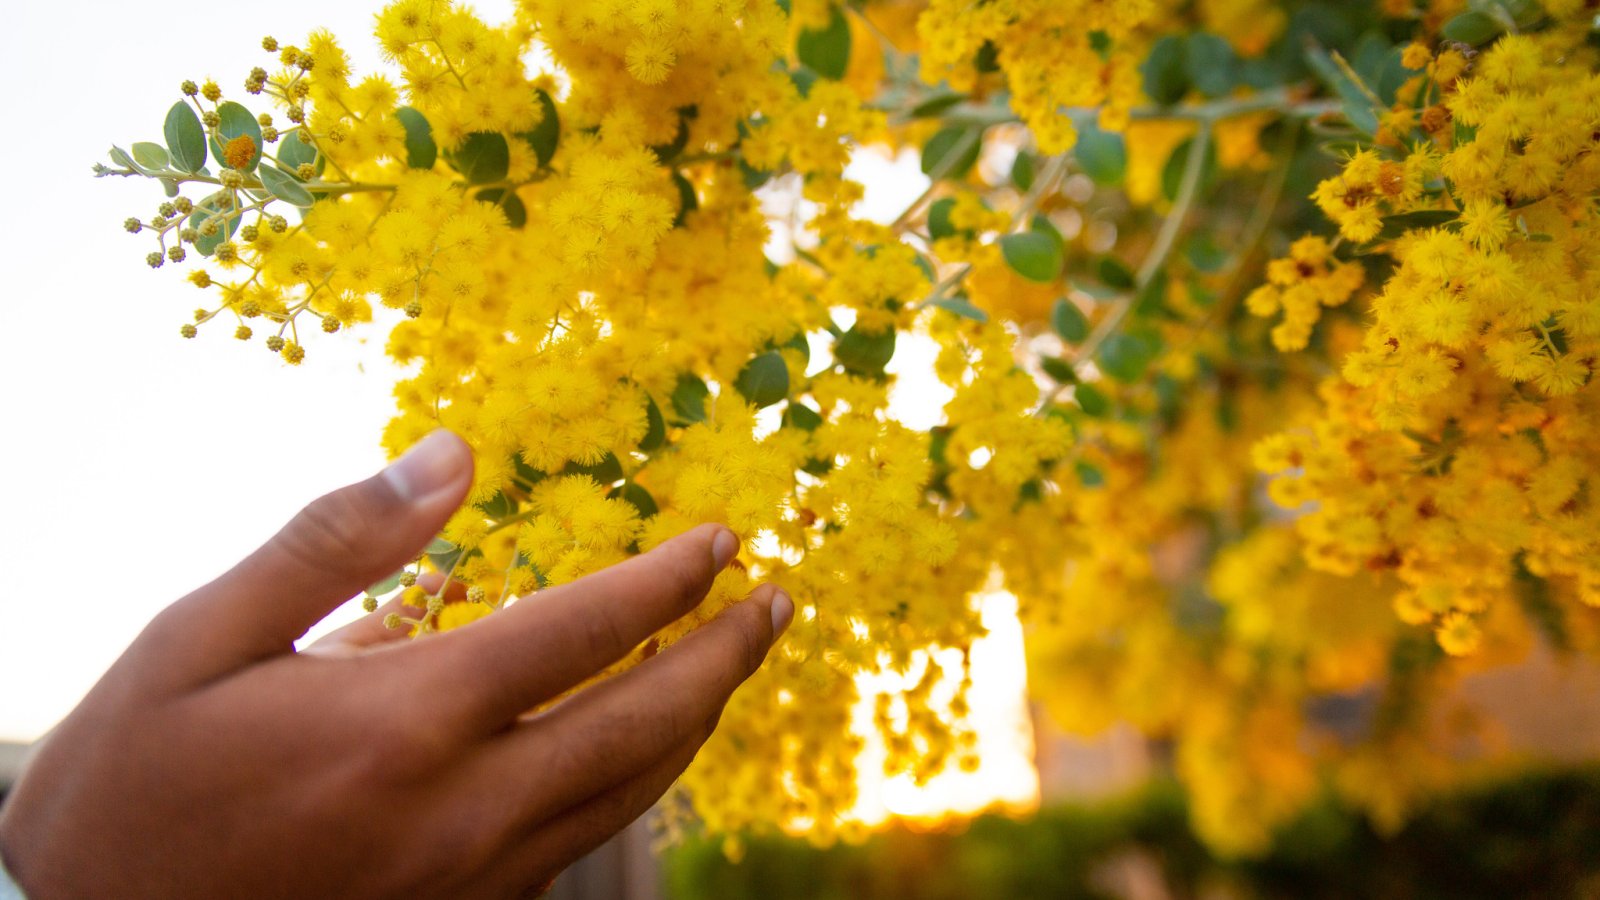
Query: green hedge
{"type": "Point", "coordinates": [1537, 835]}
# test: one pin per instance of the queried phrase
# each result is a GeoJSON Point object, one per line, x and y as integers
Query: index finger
{"type": "Point", "coordinates": [546, 643]}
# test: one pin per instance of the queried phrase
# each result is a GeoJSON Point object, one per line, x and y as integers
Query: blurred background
{"type": "Point", "coordinates": [140, 465]}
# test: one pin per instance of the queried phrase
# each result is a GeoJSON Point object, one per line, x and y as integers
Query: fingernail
{"type": "Point", "coordinates": [433, 463]}
{"type": "Point", "coordinates": [782, 612]}
{"type": "Point", "coordinates": [724, 547]}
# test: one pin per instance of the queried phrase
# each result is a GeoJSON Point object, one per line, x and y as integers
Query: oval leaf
{"type": "Point", "coordinates": [1103, 155]}
{"type": "Point", "coordinates": [826, 52]}
{"type": "Point", "coordinates": [1033, 255]}
{"type": "Point", "coordinates": [546, 136]}
{"type": "Point", "coordinates": [689, 399]}
{"type": "Point", "coordinates": [764, 380]}
{"type": "Point", "coordinates": [951, 152]}
{"type": "Point", "coordinates": [1069, 321]}
{"type": "Point", "coordinates": [864, 353]}
{"type": "Point", "coordinates": [284, 186]}
{"type": "Point", "coordinates": [483, 157]}
{"type": "Point", "coordinates": [186, 140]}
{"type": "Point", "coordinates": [237, 122]}
{"type": "Point", "coordinates": [150, 157]}
{"type": "Point", "coordinates": [421, 150]}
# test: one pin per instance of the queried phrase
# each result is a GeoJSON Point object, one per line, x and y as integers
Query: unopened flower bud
{"type": "Point", "coordinates": [330, 324]}
{"type": "Point", "coordinates": [269, 44]}
{"type": "Point", "coordinates": [131, 225]}
{"type": "Point", "coordinates": [176, 254]}
{"type": "Point", "coordinates": [188, 331]}
{"type": "Point", "coordinates": [243, 332]}
{"type": "Point", "coordinates": [408, 578]}
{"type": "Point", "coordinates": [275, 343]}
{"type": "Point", "coordinates": [369, 604]}
{"type": "Point", "coordinates": [189, 88]}
{"type": "Point", "coordinates": [391, 621]}
{"type": "Point", "coordinates": [155, 260]}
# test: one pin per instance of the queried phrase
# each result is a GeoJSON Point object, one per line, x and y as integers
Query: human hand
{"type": "Point", "coordinates": [213, 760]}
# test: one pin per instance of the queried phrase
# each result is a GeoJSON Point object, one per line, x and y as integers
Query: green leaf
{"type": "Point", "coordinates": [294, 152]}
{"type": "Point", "coordinates": [1397, 225]}
{"type": "Point", "coordinates": [1116, 275]}
{"type": "Point", "coordinates": [150, 157]}
{"type": "Point", "coordinates": [439, 545]}
{"type": "Point", "coordinates": [1058, 369]}
{"type": "Point", "coordinates": [606, 471]}
{"type": "Point", "coordinates": [186, 140]}
{"type": "Point", "coordinates": [1103, 155]}
{"type": "Point", "coordinates": [1473, 28]}
{"type": "Point", "coordinates": [421, 150]}
{"type": "Point", "coordinates": [545, 136]}
{"type": "Point", "coordinates": [237, 122]}
{"type": "Point", "coordinates": [1069, 321]}
{"type": "Point", "coordinates": [826, 52]}
{"type": "Point", "coordinates": [638, 497]}
{"type": "Point", "coordinates": [386, 585]}
{"type": "Point", "coordinates": [680, 138]}
{"type": "Point", "coordinates": [942, 99]}
{"type": "Point", "coordinates": [1034, 255]}
{"type": "Point", "coordinates": [1089, 475]}
{"type": "Point", "coordinates": [207, 245]}
{"type": "Point", "coordinates": [1204, 254]}
{"type": "Point", "coordinates": [939, 218]}
{"type": "Point", "coordinates": [798, 415]}
{"type": "Point", "coordinates": [1165, 78]}
{"type": "Point", "coordinates": [1125, 356]}
{"type": "Point", "coordinates": [1210, 63]}
{"type": "Point", "coordinates": [655, 433]}
{"type": "Point", "coordinates": [284, 186]}
{"type": "Point", "coordinates": [1357, 104]}
{"type": "Point", "coordinates": [1022, 172]}
{"type": "Point", "coordinates": [688, 201]}
{"type": "Point", "coordinates": [1152, 298]}
{"type": "Point", "coordinates": [508, 202]}
{"type": "Point", "coordinates": [1091, 400]}
{"type": "Point", "coordinates": [483, 157]}
{"type": "Point", "coordinates": [953, 150]}
{"type": "Point", "coordinates": [864, 353]}
{"type": "Point", "coordinates": [1172, 173]}
{"type": "Point", "coordinates": [764, 379]}
{"type": "Point", "coordinates": [689, 399]}
{"type": "Point", "coordinates": [962, 307]}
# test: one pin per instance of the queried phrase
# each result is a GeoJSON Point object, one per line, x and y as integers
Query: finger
{"type": "Point", "coordinates": [544, 644]}
{"type": "Point", "coordinates": [549, 849]}
{"type": "Point", "coordinates": [336, 546]}
{"type": "Point", "coordinates": [370, 630]}
{"type": "Point", "coordinates": [609, 733]}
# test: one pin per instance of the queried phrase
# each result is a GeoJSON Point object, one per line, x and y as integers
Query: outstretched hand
{"type": "Point", "coordinates": [214, 760]}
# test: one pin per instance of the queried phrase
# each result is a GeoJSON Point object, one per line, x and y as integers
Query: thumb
{"type": "Point", "coordinates": [336, 546]}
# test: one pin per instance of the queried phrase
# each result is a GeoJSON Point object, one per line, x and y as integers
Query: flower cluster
{"type": "Point", "coordinates": [567, 226]}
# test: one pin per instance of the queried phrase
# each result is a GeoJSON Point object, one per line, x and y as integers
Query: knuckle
{"type": "Point", "coordinates": [603, 636]}
{"type": "Point", "coordinates": [331, 529]}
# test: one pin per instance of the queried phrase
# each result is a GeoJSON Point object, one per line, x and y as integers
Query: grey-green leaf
{"type": "Point", "coordinates": [962, 307]}
{"type": "Point", "coordinates": [294, 152]}
{"type": "Point", "coordinates": [865, 353]}
{"type": "Point", "coordinates": [546, 136]}
{"type": "Point", "coordinates": [1103, 155]}
{"type": "Point", "coordinates": [483, 157]}
{"type": "Point", "coordinates": [238, 122]}
{"type": "Point", "coordinates": [1034, 255]}
{"type": "Point", "coordinates": [689, 399]}
{"type": "Point", "coordinates": [150, 157]}
{"type": "Point", "coordinates": [386, 585]}
{"type": "Point", "coordinates": [826, 52]}
{"type": "Point", "coordinates": [284, 186]}
{"type": "Point", "coordinates": [421, 149]}
{"type": "Point", "coordinates": [764, 380]}
{"type": "Point", "coordinates": [1069, 321]}
{"type": "Point", "coordinates": [952, 151]}
{"type": "Point", "coordinates": [186, 140]}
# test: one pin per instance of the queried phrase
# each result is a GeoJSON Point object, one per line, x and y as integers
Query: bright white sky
{"type": "Point", "coordinates": [139, 464]}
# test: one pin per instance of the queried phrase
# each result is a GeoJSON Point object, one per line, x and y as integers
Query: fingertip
{"type": "Point", "coordinates": [724, 547]}
{"type": "Point", "coordinates": [439, 462]}
{"type": "Point", "coordinates": [782, 608]}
